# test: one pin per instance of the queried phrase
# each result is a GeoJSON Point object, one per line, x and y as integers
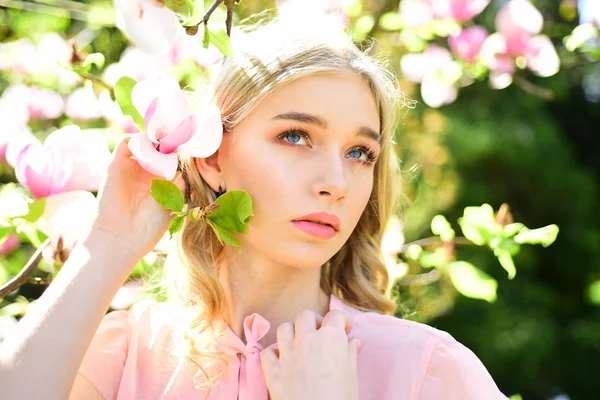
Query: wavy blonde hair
{"type": "Point", "coordinates": [265, 59]}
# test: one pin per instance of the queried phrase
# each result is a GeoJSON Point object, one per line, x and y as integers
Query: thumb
{"type": "Point", "coordinates": [353, 346]}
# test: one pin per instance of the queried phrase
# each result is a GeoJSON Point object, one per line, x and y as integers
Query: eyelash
{"type": "Point", "coordinates": [370, 153]}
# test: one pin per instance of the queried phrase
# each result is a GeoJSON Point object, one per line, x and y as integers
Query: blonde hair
{"type": "Point", "coordinates": [265, 59]}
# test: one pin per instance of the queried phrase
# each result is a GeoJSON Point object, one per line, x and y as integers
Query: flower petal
{"type": "Point", "coordinates": [152, 160]}
{"type": "Point", "coordinates": [144, 92]}
{"type": "Point", "coordinates": [209, 134]}
{"type": "Point", "coordinates": [541, 55]}
{"type": "Point", "coordinates": [171, 109]}
{"type": "Point", "coordinates": [42, 171]}
{"type": "Point", "coordinates": [68, 215]}
{"type": "Point", "coordinates": [184, 131]}
{"type": "Point", "coordinates": [436, 93]}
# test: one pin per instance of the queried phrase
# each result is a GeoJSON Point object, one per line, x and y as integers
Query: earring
{"type": "Point", "coordinates": [220, 192]}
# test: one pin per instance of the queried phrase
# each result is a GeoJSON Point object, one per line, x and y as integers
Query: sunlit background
{"type": "Point", "coordinates": [499, 153]}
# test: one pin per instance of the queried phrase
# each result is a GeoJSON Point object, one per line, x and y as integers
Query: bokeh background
{"type": "Point", "coordinates": [501, 121]}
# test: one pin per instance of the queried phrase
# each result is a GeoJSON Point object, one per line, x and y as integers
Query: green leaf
{"type": "Point", "coordinates": [196, 12]}
{"type": "Point", "coordinates": [362, 27]}
{"type": "Point", "coordinates": [179, 7]}
{"type": "Point", "coordinates": [175, 225]}
{"type": "Point", "coordinates": [391, 21]}
{"type": "Point", "coordinates": [413, 252]}
{"type": "Point", "coordinates": [579, 36]}
{"type": "Point", "coordinates": [544, 236]}
{"type": "Point", "coordinates": [478, 224]}
{"type": "Point", "coordinates": [224, 235]}
{"type": "Point", "coordinates": [220, 40]}
{"type": "Point", "coordinates": [234, 212]}
{"type": "Point", "coordinates": [507, 262]}
{"type": "Point", "coordinates": [123, 89]}
{"type": "Point", "coordinates": [96, 59]}
{"type": "Point", "coordinates": [437, 259]}
{"type": "Point", "coordinates": [167, 194]}
{"type": "Point", "coordinates": [472, 282]}
{"type": "Point", "coordinates": [36, 210]}
{"type": "Point", "coordinates": [440, 226]}
{"type": "Point", "coordinates": [4, 277]}
{"type": "Point", "coordinates": [594, 292]}
{"type": "Point", "coordinates": [513, 229]}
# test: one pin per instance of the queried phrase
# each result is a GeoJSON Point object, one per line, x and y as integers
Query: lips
{"type": "Point", "coordinates": [321, 218]}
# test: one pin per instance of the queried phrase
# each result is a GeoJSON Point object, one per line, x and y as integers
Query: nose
{"type": "Point", "coordinates": [331, 181]}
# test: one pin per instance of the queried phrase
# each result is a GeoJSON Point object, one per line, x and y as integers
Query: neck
{"type": "Point", "coordinates": [278, 292]}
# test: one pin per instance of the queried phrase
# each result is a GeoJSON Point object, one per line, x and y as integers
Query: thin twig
{"type": "Point", "coordinates": [459, 240]}
{"type": "Point", "coordinates": [97, 80]}
{"type": "Point", "coordinates": [23, 275]}
{"type": "Point", "coordinates": [533, 89]}
{"type": "Point", "coordinates": [210, 10]}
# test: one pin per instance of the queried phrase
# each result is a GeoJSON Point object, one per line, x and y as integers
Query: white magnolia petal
{"type": "Point", "coordinates": [68, 215]}
{"type": "Point", "coordinates": [144, 92]}
{"type": "Point", "coordinates": [208, 136]}
{"type": "Point", "coordinates": [152, 27]}
{"type": "Point", "coordinates": [152, 160]}
{"type": "Point", "coordinates": [541, 55]}
{"type": "Point", "coordinates": [171, 109]}
{"type": "Point", "coordinates": [436, 93]}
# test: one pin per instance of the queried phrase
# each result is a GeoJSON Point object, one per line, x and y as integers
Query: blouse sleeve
{"type": "Point", "coordinates": [455, 373]}
{"type": "Point", "coordinates": [105, 358]}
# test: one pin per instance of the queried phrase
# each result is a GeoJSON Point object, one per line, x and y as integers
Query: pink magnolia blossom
{"type": "Point", "coordinates": [437, 72]}
{"type": "Point", "coordinates": [70, 159]}
{"type": "Point", "coordinates": [171, 127]}
{"type": "Point", "coordinates": [468, 42]}
{"type": "Point", "coordinates": [138, 65]}
{"type": "Point", "coordinates": [458, 10]}
{"type": "Point", "coordinates": [83, 105]}
{"type": "Point", "coordinates": [68, 216]}
{"type": "Point", "coordinates": [416, 13]}
{"type": "Point", "coordinates": [10, 243]}
{"type": "Point", "coordinates": [14, 116]}
{"type": "Point", "coordinates": [40, 103]}
{"type": "Point", "coordinates": [519, 24]}
{"type": "Point", "coordinates": [152, 27]}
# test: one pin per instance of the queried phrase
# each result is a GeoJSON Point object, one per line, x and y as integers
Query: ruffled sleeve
{"type": "Point", "coordinates": [105, 358]}
{"type": "Point", "coordinates": [455, 373]}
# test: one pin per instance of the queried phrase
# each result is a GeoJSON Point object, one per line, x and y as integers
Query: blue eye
{"type": "Point", "coordinates": [355, 153]}
{"type": "Point", "coordinates": [295, 136]}
{"type": "Point", "coordinates": [363, 154]}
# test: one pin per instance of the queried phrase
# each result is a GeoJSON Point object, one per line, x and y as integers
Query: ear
{"type": "Point", "coordinates": [210, 170]}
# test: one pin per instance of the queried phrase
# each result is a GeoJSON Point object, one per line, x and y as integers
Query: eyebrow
{"type": "Point", "coordinates": [322, 123]}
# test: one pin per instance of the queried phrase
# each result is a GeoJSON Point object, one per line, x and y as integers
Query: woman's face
{"type": "Point", "coordinates": [309, 147]}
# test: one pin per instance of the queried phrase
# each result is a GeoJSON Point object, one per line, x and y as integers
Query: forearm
{"type": "Point", "coordinates": [41, 357]}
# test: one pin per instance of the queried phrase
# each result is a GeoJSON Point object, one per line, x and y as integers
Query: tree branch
{"type": "Point", "coordinates": [23, 275]}
{"type": "Point", "coordinates": [459, 240]}
{"type": "Point", "coordinates": [533, 89]}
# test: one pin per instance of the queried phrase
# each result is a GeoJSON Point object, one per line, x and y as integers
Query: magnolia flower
{"type": "Point", "coordinates": [10, 243]}
{"type": "Point", "coordinates": [70, 159]}
{"type": "Point", "coordinates": [68, 216]}
{"type": "Point", "coordinates": [416, 13]}
{"type": "Point", "coordinates": [468, 43]}
{"type": "Point", "coordinates": [39, 103]}
{"type": "Point", "coordinates": [152, 27]}
{"type": "Point", "coordinates": [458, 10]}
{"type": "Point", "coordinates": [82, 104]}
{"type": "Point", "coordinates": [437, 72]}
{"type": "Point", "coordinates": [171, 127]}
{"type": "Point", "coordinates": [138, 65]}
{"type": "Point", "coordinates": [14, 117]}
{"type": "Point", "coordinates": [519, 24]}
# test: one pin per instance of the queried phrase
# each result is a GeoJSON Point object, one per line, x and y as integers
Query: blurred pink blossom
{"type": "Point", "coordinates": [70, 159]}
{"type": "Point", "coordinates": [458, 10]}
{"type": "Point", "coordinates": [82, 104]}
{"type": "Point", "coordinates": [519, 24]}
{"type": "Point", "coordinates": [468, 42]}
{"type": "Point", "coordinates": [112, 112]}
{"type": "Point", "coordinates": [152, 27]}
{"type": "Point", "coordinates": [68, 216]}
{"type": "Point", "coordinates": [138, 65]}
{"type": "Point", "coordinates": [171, 126]}
{"type": "Point", "coordinates": [40, 103]}
{"type": "Point", "coordinates": [14, 116]}
{"type": "Point", "coordinates": [416, 13]}
{"type": "Point", "coordinates": [10, 243]}
{"type": "Point", "coordinates": [49, 58]}
{"type": "Point", "coordinates": [436, 71]}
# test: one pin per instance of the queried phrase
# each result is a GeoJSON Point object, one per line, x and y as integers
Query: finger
{"type": "Point", "coordinates": [268, 358]}
{"type": "Point", "coordinates": [338, 319]}
{"type": "Point", "coordinates": [306, 323]}
{"type": "Point", "coordinates": [122, 148]}
{"type": "Point", "coordinates": [285, 337]}
{"type": "Point", "coordinates": [353, 347]}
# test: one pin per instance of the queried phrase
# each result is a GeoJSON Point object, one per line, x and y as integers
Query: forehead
{"type": "Point", "coordinates": [340, 98]}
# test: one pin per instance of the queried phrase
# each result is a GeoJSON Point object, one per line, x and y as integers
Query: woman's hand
{"type": "Point", "coordinates": [315, 361]}
{"type": "Point", "coordinates": [127, 212]}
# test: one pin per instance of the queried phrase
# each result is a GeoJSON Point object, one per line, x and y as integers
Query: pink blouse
{"type": "Point", "coordinates": [129, 358]}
